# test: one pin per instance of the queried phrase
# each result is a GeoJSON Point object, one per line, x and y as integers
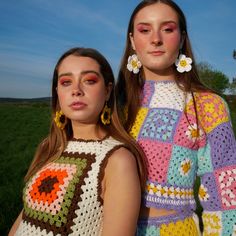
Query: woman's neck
{"type": "Point", "coordinates": [88, 131]}
{"type": "Point", "coordinates": [164, 75]}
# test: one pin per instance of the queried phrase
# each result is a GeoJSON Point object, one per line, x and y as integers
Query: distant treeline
{"type": "Point", "coordinates": [229, 98]}
{"type": "Point", "coordinates": [25, 100]}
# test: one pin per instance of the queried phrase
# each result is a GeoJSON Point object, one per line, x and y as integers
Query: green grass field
{"type": "Point", "coordinates": [22, 127]}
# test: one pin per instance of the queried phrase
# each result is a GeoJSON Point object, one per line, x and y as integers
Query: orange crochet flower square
{"type": "Point", "coordinates": [47, 185]}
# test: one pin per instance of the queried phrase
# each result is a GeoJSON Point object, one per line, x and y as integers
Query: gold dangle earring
{"type": "Point", "coordinates": [106, 115]}
{"type": "Point", "coordinates": [60, 120]}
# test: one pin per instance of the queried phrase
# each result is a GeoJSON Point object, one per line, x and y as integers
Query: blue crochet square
{"type": "Point", "coordinates": [212, 202]}
{"type": "Point", "coordinates": [160, 124]}
{"type": "Point", "coordinates": [148, 230]}
{"type": "Point", "coordinates": [229, 222]}
{"type": "Point", "coordinates": [182, 167]}
{"type": "Point", "coordinates": [204, 160]}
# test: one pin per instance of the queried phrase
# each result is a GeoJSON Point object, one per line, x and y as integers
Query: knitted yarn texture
{"type": "Point", "coordinates": [178, 148]}
{"type": "Point", "coordinates": [63, 198]}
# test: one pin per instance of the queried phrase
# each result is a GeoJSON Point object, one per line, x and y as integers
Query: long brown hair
{"type": "Point", "coordinates": [52, 146]}
{"type": "Point", "coordinates": [129, 85]}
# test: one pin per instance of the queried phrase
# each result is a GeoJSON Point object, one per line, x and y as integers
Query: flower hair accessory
{"type": "Point", "coordinates": [134, 64]}
{"type": "Point", "coordinates": [183, 63]}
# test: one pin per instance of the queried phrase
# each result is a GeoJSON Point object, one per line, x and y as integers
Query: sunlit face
{"type": "Point", "coordinates": [156, 37]}
{"type": "Point", "coordinates": [81, 89]}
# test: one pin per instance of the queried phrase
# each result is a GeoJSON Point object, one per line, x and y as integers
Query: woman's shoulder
{"type": "Point", "coordinates": [119, 154]}
{"type": "Point", "coordinates": [209, 102]}
{"type": "Point", "coordinates": [122, 159]}
{"type": "Point", "coordinates": [206, 101]}
{"type": "Point", "coordinates": [206, 97]}
{"type": "Point", "coordinates": [212, 110]}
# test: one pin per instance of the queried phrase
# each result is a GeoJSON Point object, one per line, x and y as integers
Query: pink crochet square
{"type": "Point", "coordinates": [188, 133]}
{"type": "Point", "coordinates": [158, 156]}
{"type": "Point", "coordinates": [226, 181]}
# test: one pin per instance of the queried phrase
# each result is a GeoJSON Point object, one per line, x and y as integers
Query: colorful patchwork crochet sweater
{"type": "Point", "coordinates": [63, 198]}
{"type": "Point", "coordinates": [176, 152]}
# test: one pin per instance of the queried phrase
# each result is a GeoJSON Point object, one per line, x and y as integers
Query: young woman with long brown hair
{"type": "Point", "coordinates": [183, 127]}
{"type": "Point", "coordinates": [86, 175]}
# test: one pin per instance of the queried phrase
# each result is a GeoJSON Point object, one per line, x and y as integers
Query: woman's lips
{"type": "Point", "coordinates": [78, 105]}
{"type": "Point", "coordinates": [156, 53]}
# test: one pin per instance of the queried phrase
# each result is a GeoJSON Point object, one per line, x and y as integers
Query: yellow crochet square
{"type": "Point", "coordinates": [142, 113]}
{"type": "Point", "coordinates": [212, 224]}
{"type": "Point", "coordinates": [184, 227]}
{"type": "Point", "coordinates": [211, 109]}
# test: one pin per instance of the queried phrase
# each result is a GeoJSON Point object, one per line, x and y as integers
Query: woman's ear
{"type": "Point", "coordinates": [108, 90]}
{"type": "Point", "coordinates": [183, 37]}
{"type": "Point", "coordinates": [131, 38]}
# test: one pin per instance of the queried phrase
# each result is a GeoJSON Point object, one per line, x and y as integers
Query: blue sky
{"type": "Point", "coordinates": [34, 33]}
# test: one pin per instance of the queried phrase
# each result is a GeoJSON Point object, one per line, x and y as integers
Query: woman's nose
{"type": "Point", "coordinates": [77, 90]}
{"type": "Point", "coordinates": [156, 39]}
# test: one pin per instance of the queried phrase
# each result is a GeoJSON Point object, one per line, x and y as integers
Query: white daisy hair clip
{"type": "Point", "coordinates": [134, 64]}
{"type": "Point", "coordinates": [183, 63]}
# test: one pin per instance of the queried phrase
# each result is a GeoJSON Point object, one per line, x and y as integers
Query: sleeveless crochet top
{"type": "Point", "coordinates": [178, 148]}
{"type": "Point", "coordinates": [63, 198]}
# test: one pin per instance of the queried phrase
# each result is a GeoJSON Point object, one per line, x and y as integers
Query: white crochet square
{"type": "Point", "coordinates": [167, 95]}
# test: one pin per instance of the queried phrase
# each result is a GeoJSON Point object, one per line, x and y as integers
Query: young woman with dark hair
{"type": "Point", "coordinates": [86, 175]}
{"type": "Point", "coordinates": [183, 127]}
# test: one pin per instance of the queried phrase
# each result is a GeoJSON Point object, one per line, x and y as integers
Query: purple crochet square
{"type": "Point", "coordinates": [147, 93]}
{"type": "Point", "coordinates": [213, 201]}
{"type": "Point", "coordinates": [223, 146]}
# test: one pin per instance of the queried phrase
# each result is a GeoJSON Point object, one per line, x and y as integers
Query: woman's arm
{"type": "Point", "coordinates": [15, 225]}
{"type": "Point", "coordinates": [217, 167]}
{"type": "Point", "coordinates": [122, 194]}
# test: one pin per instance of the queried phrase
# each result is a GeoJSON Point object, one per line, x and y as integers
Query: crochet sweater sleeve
{"type": "Point", "coordinates": [217, 166]}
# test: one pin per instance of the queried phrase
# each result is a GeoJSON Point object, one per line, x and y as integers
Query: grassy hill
{"type": "Point", "coordinates": [23, 126]}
